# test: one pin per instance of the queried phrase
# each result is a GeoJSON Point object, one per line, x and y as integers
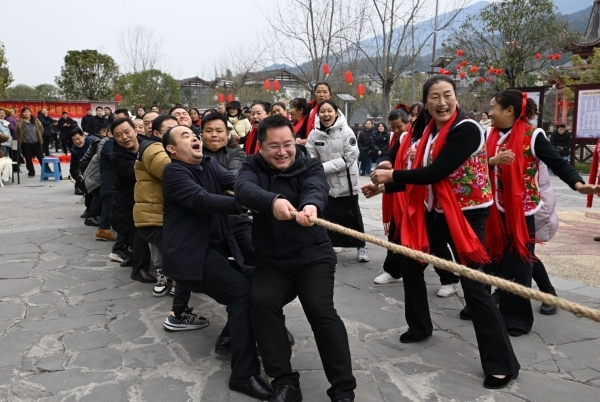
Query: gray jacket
{"type": "Point", "coordinates": [91, 175]}
{"type": "Point", "coordinates": [230, 158]}
{"type": "Point", "coordinates": [546, 219]}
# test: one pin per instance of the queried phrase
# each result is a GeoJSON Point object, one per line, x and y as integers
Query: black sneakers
{"type": "Point", "coordinates": [186, 322]}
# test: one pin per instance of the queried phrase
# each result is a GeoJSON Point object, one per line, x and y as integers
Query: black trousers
{"type": "Point", "coordinates": [66, 144]}
{"type": "Point", "coordinates": [540, 276]}
{"type": "Point", "coordinates": [94, 203]}
{"type": "Point", "coordinates": [31, 151]}
{"type": "Point", "coordinates": [241, 226]}
{"type": "Point", "coordinates": [516, 310]}
{"type": "Point", "coordinates": [271, 291]}
{"type": "Point", "coordinates": [495, 350]}
{"type": "Point", "coordinates": [47, 140]}
{"type": "Point", "coordinates": [230, 285]}
{"type": "Point", "coordinates": [140, 252]}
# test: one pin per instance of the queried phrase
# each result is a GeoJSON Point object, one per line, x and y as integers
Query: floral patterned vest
{"type": "Point", "coordinates": [470, 183]}
{"type": "Point", "coordinates": [532, 200]}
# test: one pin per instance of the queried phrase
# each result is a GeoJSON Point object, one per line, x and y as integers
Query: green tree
{"type": "Point", "coordinates": [5, 75]}
{"type": "Point", "coordinates": [146, 88]}
{"type": "Point", "coordinates": [87, 74]}
{"type": "Point", "coordinates": [47, 92]}
{"type": "Point", "coordinates": [21, 92]}
{"type": "Point", "coordinates": [508, 34]}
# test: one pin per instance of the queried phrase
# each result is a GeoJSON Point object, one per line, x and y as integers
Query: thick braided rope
{"type": "Point", "coordinates": [512, 287]}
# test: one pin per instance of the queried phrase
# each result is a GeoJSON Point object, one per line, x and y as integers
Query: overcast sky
{"type": "Point", "coordinates": [195, 33]}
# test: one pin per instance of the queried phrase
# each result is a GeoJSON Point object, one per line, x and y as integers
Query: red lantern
{"type": "Point", "coordinates": [230, 98]}
{"type": "Point", "coordinates": [276, 86]}
{"type": "Point", "coordinates": [442, 70]}
{"type": "Point", "coordinates": [474, 69]}
{"type": "Point", "coordinates": [462, 75]}
{"type": "Point", "coordinates": [488, 79]}
{"type": "Point", "coordinates": [267, 85]}
{"type": "Point", "coordinates": [537, 56]}
{"type": "Point", "coordinates": [221, 98]}
{"type": "Point", "coordinates": [457, 67]}
{"type": "Point", "coordinates": [492, 70]}
{"type": "Point", "coordinates": [361, 90]}
{"type": "Point", "coordinates": [464, 63]}
{"type": "Point", "coordinates": [570, 105]}
{"type": "Point", "coordinates": [550, 57]}
{"type": "Point", "coordinates": [447, 72]}
{"type": "Point", "coordinates": [459, 52]}
{"type": "Point", "coordinates": [326, 69]}
{"type": "Point", "coordinates": [480, 80]}
{"type": "Point", "coordinates": [348, 77]}
{"type": "Point", "coordinates": [557, 56]}
{"type": "Point", "coordinates": [118, 98]}
{"type": "Point", "coordinates": [498, 71]}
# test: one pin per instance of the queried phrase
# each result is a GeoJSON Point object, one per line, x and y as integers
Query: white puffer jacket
{"type": "Point", "coordinates": [337, 150]}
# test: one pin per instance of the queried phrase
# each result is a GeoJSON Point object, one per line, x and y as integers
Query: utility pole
{"type": "Point", "coordinates": [435, 29]}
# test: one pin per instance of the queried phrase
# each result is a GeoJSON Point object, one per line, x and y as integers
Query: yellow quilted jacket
{"type": "Point", "coordinates": [148, 192]}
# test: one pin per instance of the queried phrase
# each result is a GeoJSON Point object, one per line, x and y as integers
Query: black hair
{"type": "Point", "coordinates": [398, 114]}
{"type": "Point", "coordinates": [178, 106]}
{"type": "Point", "coordinates": [418, 105]}
{"type": "Point", "coordinates": [209, 111]}
{"type": "Point", "coordinates": [212, 117]}
{"type": "Point", "coordinates": [118, 122]}
{"type": "Point", "coordinates": [300, 104]}
{"type": "Point", "coordinates": [121, 111]}
{"type": "Point", "coordinates": [157, 123]}
{"type": "Point", "coordinates": [486, 113]}
{"type": "Point", "coordinates": [330, 102]}
{"type": "Point", "coordinates": [384, 126]}
{"type": "Point", "coordinates": [280, 104]}
{"type": "Point", "coordinates": [276, 121]}
{"type": "Point", "coordinates": [103, 126]}
{"type": "Point", "coordinates": [99, 107]}
{"type": "Point", "coordinates": [89, 108]}
{"type": "Point", "coordinates": [560, 126]}
{"type": "Point", "coordinates": [514, 98]}
{"type": "Point", "coordinates": [63, 112]}
{"type": "Point", "coordinates": [266, 105]}
{"type": "Point", "coordinates": [149, 113]}
{"type": "Point", "coordinates": [197, 111]}
{"type": "Point", "coordinates": [167, 140]}
{"type": "Point", "coordinates": [314, 90]}
{"type": "Point", "coordinates": [109, 109]}
{"type": "Point", "coordinates": [424, 117]}
{"type": "Point", "coordinates": [76, 131]}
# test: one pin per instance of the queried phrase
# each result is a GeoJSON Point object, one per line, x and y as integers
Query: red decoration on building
{"type": "Point", "coordinates": [361, 90]}
{"type": "Point", "coordinates": [326, 69]}
{"type": "Point", "coordinates": [221, 98]}
{"type": "Point", "coordinates": [459, 52]}
{"type": "Point", "coordinates": [276, 86]}
{"type": "Point", "coordinates": [348, 77]}
{"type": "Point", "coordinates": [474, 69]}
{"type": "Point", "coordinates": [267, 85]}
{"type": "Point", "coordinates": [538, 56]}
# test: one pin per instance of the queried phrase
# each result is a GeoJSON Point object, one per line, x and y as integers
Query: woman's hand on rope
{"type": "Point", "coordinates": [282, 210]}
{"type": "Point", "coordinates": [387, 165]}
{"type": "Point", "coordinates": [381, 176]}
{"type": "Point", "coordinates": [303, 217]}
{"type": "Point", "coordinates": [587, 188]}
{"type": "Point", "coordinates": [371, 190]}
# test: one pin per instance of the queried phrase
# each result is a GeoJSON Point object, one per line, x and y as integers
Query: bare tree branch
{"type": "Point", "coordinates": [140, 49]}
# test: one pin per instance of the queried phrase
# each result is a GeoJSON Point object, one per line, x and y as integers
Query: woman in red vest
{"type": "Point", "coordinates": [450, 176]}
{"type": "Point", "coordinates": [515, 149]}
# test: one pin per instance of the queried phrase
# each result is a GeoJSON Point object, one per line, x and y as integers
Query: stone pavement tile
{"type": "Point", "coordinates": [26, 393]}
{"type": "Point", "coordinates": [449, 320]}
{"type": "Point", "coordinates": [217, 390]}
{"type": "Point", "coordinates": [564, 284]}
{"type": "Point", "coordinates": [449, 385]}
{"type": "Point", "coordinates": [149, 356]}
{"type": "Point", "coordinates": [67, 380]}
{"type": "Point", "coordinates": [121, 306]}
{"type": "Point", "coordinates": [6, 375]}
{"type": "Point", "coordinates": [306, 357]}
{"type": "Point", "coordinates": [89, 340]}
{"type": "Point", "coordinates": [589, 291]}
{"type": "Point", "coordinates": [530, 349]}
{"type": "Point", "coordinates": [11, 310]}
{"type": "Point", "coordinates": [452, 354]}
{"type": "Point", "coordinates": [578, 355]}
{"type": "Point", "coordinates": [534, 386]}
{"type": "Point", "coordinates": [53, 362]}
{"type": "Point", "coordinates": [15, 270]}
{"type": "Point", "coordinates": [60, 281]}
{"type": "Point", "coordinates": [164, 389]}
{"type": "Point", "coordinates": [62, 324]}
{"type": "Point", "coordinates": [65, 250]}
{"type": "Point", "coordinates": [388, 344]}
{"type": "Point", "coordinates": [128, 327]}
{"type": "Point", "coordinates": [6, 324]}
{"type": "Point", "coordinates": [108, 294]}
{"type": "Point", "coordinates": [105, 282]}
{"type": "Point", "coordinates": [50, 265]}
{"type": "Point", "coordinates": [38, 312]}
{"type": "Point", "coordinates": [121, 391]}
{"type": "Point", "coordinates": [564, 328]}
{"type": "Point", "coordinates": [20, 341]}
{"type": "Point", "coordinates": [586, 374]}
{"type": "Point", "coordinates": [99, 359]}
{"type": "Point", "coordinates": [85, 274]}
{"type": "Point", "coordinates": [314, 387]}
{"type": "Point", "coordinates": [82, 309]}
{"type": "Point", "coordinates": [21, 248]}
{"type": "Point", "coordinates": [391, 387]}
{"type": "Point", "coordinates": [45, 298]}
{"type": "Point", "coordinates": [16, 287]}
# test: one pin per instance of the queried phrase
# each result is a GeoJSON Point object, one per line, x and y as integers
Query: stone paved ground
{"type": "Point", "coordinates": [74, 327]}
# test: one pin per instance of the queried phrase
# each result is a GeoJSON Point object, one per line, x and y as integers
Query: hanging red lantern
{"type": "Point", "coordinates": [230, 98]}
{"type": "Point", "coordinates": [557, 56]}
{"type": "Point", "coordinates": [442, 71]}
{"type": "Point", "coordinates": [361, 90]}
{"type": "Point", "coordinates": [570, 105]}
{"type": "Point", "coordinates": [498, 71]}
{"type": "Point", "coordinates": [480, 80]}
{"type": "Point", "coordinates": [550, 57]}
{"type": "Point", "coordinates": [457, 67]}
{"type": "Point", "coordinates": [118, 98]}
{"type": "Point", "coordinates": [464, 63]}
{"type": "Point", "coordinates": [447, 72]}
{"type": "Point", "coordinates": [459, 52]}
{"type": "Point", "coordinates": [221, 98]}
{"type": "Point", "coordinates": [326, 69]}
{"type": "Point", "coordinates": [488, 79]}
{"type": "Point", "coordinates": [276, 86]}
{"type": "Point", "coordinates": [538, 56]}
{"type": "Point", "coordinates": [348, 77]}
{"type": "Point", "coordinates": [492, 70]}
{"type": "Point", "coordinates": [267, 85]}
{"type": "Point", "coordinates": [462, 75]}
{"type": "Point", "coordinates": [474, 69]}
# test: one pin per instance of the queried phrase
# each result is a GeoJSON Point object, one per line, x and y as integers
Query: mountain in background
{"type": "Point", "coordinates": [578, 21]}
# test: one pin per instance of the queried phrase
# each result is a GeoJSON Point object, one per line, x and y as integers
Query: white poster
{"type": "Point", "coordinates": [588, 114]}
{"type": "Point", "coordinates": [535, 96]}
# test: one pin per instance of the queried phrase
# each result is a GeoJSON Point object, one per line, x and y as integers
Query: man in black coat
{"type": "Point", "coordinates": [123, 157]}
{"type": "Point", "coordinates": [48, 134]}
{"type": "Point", "coordinates": [65, 125]}
{"type": "Point", "coordinates": [86, 122]}
{"type": "Point", "coordinates": [200, 252]}
{"type": "Point", "coordinates": [365, 145]}
{"type": "Point", "coordinates": [561, 140]}
{"type": "Point", "coordinates": [97, 120]}
{"type": "Point", "coordinates": [293, 258]}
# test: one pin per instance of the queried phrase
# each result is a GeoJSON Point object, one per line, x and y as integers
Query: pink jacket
{"type": "Point", "coordinates": [546, 219]}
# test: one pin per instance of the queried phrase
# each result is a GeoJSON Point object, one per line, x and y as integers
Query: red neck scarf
{"type": "Point", "coordinates": [513, 231]}
{"type": "Point", "coordinates": [414, 231]}
{"type": "Point", "coordinates": [393, 205]}
{"type": "Point", "coordinates": [311, 121]}
{"type": "Point", "coordinates": [594, 173]}
{"type": "Point", "coordinates": [251, 144]}
{"type": "Point", "coordinates": [298, 126]}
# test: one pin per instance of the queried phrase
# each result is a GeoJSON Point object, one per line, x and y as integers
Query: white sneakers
{"type": "Point", "coordinates": [361, 254]}
{"type": "Point", "coordinates": [447, 290]}
{"type": "Point", "coordinates": [337, 250]}
{"type": "Point", "coordinates": [386, 278]}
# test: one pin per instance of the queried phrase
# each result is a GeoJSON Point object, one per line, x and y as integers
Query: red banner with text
{"type": "Point", "coordinates": [76, 110]}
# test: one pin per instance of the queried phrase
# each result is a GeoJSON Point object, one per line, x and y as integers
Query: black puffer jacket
{"type": "Point", "coordinates": [365, 141]}
{"type": "Point", "coordinates": [285, 244]}
{"type": "Point", "coordinates": [562, 140]}
{"type": "Point", "coordinates": [47, 123]}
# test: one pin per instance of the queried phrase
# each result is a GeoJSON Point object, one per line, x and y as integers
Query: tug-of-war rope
{"type": "Point", "coordinates": [512, 287]}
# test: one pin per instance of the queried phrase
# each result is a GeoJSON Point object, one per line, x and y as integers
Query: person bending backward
{"type": "Point", "coordinates": [200, 252]}
{"type": "Point", "coordinates": [510, 232]}
{"type": "Point", "coordinates": [293, 258]}
{"type": "Point", "coordinates": [458, 206]}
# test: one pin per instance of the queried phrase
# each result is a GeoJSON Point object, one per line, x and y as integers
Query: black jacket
{"type": "Point", "coordinates": [47, 123]}
{"type": "Point", "coordinates": [65, 132]}
{"type": "Point", "coordinates": [365, 141]}
{"type": "Point", "coordinates": [91, 151]}
{"type": "Point", "coordinates": [86, 124]}
{"type": "Point", "coordinates": [230, 158]}
{"type": "Point", "coordinates": [380, 142]}
{"type": "Point", "coordinates": [107, 173]}
{"type": "Point", "coordinates": [285, 244]}
{"type": "Point", "coordinates": [193, 201]}
{"type": "Point", "coordinates": [564, 141]}
{"type": "Point", "coordinates": [76, 155]}
{"type": "Point", "coordinates": [95, 121]}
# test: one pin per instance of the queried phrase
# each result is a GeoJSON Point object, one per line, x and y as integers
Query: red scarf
{"type": "Point", "coordinates": [414, 231]}
{"type": "Point", "coordinates": [594, 173]}
{"type": "Point", "coordinates": [251, 144]}
{"type": "Point", "coordinates": [513, 231]}
{"type": "Point", "coordinates": [393, 205]}
{"type": "Point", "coordinates": [311, 120]}
{"type": "Point", "coordinates": [298, 126]}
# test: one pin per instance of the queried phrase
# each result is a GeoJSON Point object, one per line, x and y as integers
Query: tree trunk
{"type": "Point", "coordinates": [385, 98]}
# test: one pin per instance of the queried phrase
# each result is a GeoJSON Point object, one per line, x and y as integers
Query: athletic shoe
{"type": "Point", "coordinates": [447, 290]}
{"type": "Point", "coordinates": [386, 278]}
{"type": "Point", "coordinates": [172, 291]}
{"type": "Point", "coordinates": [81, 200]}
{"type": "Point", "coordinates": [118, 256]}
{"type": "Point", "coordinates": [186, 322]}
{"type": "Point", "coordinates": [104, 234]}
{"type": "Point", "coordinates": [337, 250]}
{"type": "Point", "coordinates": [163, 285]}
{"type": "Point", "coordinates": [361, 254]}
